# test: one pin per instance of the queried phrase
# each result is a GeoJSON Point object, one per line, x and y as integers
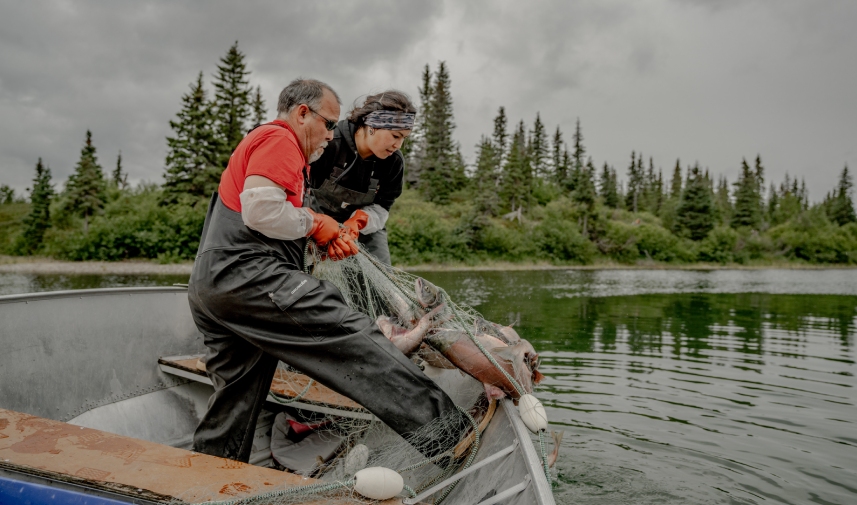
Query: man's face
{"type": "Point", "coordinates": [316, 135]}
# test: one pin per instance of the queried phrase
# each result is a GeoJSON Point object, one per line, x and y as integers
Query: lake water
{"type": "Point", "coordinates": [672, 386]}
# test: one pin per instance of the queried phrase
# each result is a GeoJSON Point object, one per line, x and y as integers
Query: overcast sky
{"type": "Point", "coordinates": [700, 80]}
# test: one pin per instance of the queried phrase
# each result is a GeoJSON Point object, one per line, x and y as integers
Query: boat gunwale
{"type": "Point", "coordinates": [80, 293]}
{"type": "Point", "coordinates": [111, 490]}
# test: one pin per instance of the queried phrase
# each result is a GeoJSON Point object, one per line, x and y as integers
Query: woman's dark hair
{"type": "Point", "coordinates": [388, 100]}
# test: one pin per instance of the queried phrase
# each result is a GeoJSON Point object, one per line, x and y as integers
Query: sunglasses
{"type": "Point", "coordinates": [328, 123]}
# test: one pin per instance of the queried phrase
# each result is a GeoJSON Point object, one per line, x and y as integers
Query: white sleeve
{"type": "Point", "coordinates": [377, 218]}
{"type": "Point", "coordinates": [267, 211]}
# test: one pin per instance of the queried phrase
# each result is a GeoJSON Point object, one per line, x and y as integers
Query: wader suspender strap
{"type": "Point", "coordinates": [333, 198]}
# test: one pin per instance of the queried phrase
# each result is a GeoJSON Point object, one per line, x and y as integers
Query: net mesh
{"type": "Point", "coordinates": [408, 305]}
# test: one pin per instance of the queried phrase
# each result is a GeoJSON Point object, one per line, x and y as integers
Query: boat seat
{"type": "Point", "coordinates": [288, 387]}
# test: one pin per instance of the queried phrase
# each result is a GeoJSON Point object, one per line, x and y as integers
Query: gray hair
{"type": "Point", "coordinates": [306, 91]}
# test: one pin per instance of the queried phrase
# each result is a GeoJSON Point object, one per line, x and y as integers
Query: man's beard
{"type": "Point", "coordinates": [318, 152]}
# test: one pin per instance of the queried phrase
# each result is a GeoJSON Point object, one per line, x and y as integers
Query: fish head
{"type": "Point", "coordinates": [532, 361]}
{"type": "Point", "coordinates": [428, 295]}
{"type": "Point", "coordinates": [511, 335]}
{"type": "Point", "coordinates": [522, 360]}
{"type": "Point", "coordinates": [528, 355]}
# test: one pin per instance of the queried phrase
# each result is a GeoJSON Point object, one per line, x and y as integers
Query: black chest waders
{"type": "Point", "coordinates": [254, 306]}
{"type": "Point", "coordinates": [339, 202]}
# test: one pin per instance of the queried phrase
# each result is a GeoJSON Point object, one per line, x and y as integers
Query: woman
{"type": "Point", "coordinates": [359, 175]}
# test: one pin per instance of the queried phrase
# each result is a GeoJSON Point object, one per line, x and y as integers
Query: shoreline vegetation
{"type": "Point", "coordinates": [49, 266]}
{"type": "Point", "coordinates": [530, 200]}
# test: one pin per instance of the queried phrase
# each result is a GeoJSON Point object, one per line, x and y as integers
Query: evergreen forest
{"type": "Point", "coordinates": [532, 195]}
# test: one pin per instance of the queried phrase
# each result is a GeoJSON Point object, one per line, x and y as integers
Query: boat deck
{"type": "Point", "coordinates": [127, 467]}
{"type": "Point", "coordinates": [287, 387]}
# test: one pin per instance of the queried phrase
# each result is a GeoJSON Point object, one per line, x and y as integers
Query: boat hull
{"type": "Point", "coordinates": [87, 361]}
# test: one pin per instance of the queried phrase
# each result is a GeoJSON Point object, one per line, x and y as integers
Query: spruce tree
{"type": "Point", "coordinates": [568, 182]}
{"type": "Point", "coordinates": [231, 105]}
{"type": "Point", "coordinates": [760, 186]}
{"type": "Point", "coordinates": [260, 113]}
{"type": "Point", "coordinates": [416, 152]}
{"type": "Point", "coordinates": [442, 168]}
{"type": "Point", "coordinates": [747, 202]}
{"type": "Point", "coordinates": [675, 184]}
{"type": "Point", "coordinates": [39, 218]}
{"type": "Point", "coordinates": [724, 205]}
{"type": "Point", "coordinates": [193, 160]}
{"type": "Point", "coordinates": [635, 183]}
{"type": "Point", "coordinates": [577, 157]}
{"type": "Point", "coordinates": [517, 176]}
{"type": "Point", "coordinates": [842, 207]}
{"type": "Point", "coordinates": [694, 217]}
{"type": "Point", "coordinates": [803, 194]}
{"type": "Point", "coordinates": [499, 146]}
{"type": "Point", "coordinates": [560, 170]}
{"type": "Point", "coordinates": [607, 187]}
{"type": "Point", "coordinates": [773, 203]}
{"type": "Point", "coordinates": [85, 189]}
{"type": "Point", "coordinates": [119, 178]}
{"type": "Point", "coordinates": [500, 136]}
{"type": "Point", "coordinates": [539, 149]}
{"type": "Point", "coordinates": [584, 194]}
{"type": "Point", "coordinates": [485, 178]}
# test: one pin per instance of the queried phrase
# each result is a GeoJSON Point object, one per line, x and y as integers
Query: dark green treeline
{"type": "Point", "coordinates": [532, 194]}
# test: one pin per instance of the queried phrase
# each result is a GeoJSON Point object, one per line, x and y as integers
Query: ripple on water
{"type": "Point", "coordinates": [680, 386]}
{"type": "Point", "coordinates": [697, 387]}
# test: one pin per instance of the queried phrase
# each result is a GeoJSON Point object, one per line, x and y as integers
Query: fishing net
{"type": "Point", "coordinates": [402, 303]}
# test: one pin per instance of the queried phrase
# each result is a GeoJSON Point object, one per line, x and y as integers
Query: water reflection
{"type": "Point", "coordinates": [677, 396]}
{"type": "Point", "coordinates": [696, 325]}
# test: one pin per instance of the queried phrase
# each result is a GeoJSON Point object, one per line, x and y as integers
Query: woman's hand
{"type": "Point", "coordinates": [355, 223]}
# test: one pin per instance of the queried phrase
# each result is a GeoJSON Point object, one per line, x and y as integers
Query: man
{"type": "Point", "coordinates": [255, 306]}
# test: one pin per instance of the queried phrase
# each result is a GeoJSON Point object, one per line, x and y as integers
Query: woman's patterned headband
{"type": "Point", "coordinates": [390, 120]}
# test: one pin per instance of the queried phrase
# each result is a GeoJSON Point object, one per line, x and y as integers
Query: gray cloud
{"type": "Point", "coordinates": [698, 80]}
{"type": "Point", "coordinates": [120, 69]}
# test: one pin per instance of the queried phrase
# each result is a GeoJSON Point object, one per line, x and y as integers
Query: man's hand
{"type": "Point", "coordinates": [355, 223]}
{"type": "Point", "coordinates": [324, 228]}
{"type": "Point", "coordinates": [342, 247]}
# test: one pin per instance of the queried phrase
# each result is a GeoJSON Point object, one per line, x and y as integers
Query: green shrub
{"type": "Point", "coordinates": [811, 237]}
{"type": "Point", "coordinates": [752, 245]}
{"type": "Point", "coordinates": [11, 224]}
{"type": "Point", "coordinates": [509, 241]}
{"type": "Point", "coordinates": [619, 242]}
{"type": "Point", "coordinates": [133, 226]}
{"type": "Point", "coordinates": [659, 244]}
{"type": "Point", "coordinates": [418, 232]}
{"type": "Point", "coordinates": [544, 193]}
{"type": "Point", "coordinates": [628, 243]}
{"type": "Point", "coordinates": [560, 242]}
{"type": "Point", "coordinates": [719, 245]}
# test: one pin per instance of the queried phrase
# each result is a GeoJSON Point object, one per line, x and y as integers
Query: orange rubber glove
{"type": "Point", "coordinates": [356, 223]}
{"type": "Point", "coordinates": [342, 247]}
{"type": "Point", "coordinates": [324, 228]}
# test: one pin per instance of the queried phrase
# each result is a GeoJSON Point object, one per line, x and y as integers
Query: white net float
{"type": "Point", "coordinates": [533, 413]}
{"type": "Point", "coordinates": [378, 483]}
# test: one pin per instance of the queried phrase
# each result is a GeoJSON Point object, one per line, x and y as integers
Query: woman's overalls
{"type": "Point", "coordinates": [339, 202]}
